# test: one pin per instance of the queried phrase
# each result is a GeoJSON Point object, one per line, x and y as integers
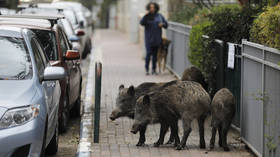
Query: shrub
{"type": "Point", "coordinates": [197, 44]}
{"type": "Point", "coordinates": [266, 28]}
{"type": "Point", "coordinates": [229, 23]}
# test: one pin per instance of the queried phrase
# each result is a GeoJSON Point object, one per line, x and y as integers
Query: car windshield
{"type": "Point", "coordinates": [67, 27]}
{"type": "Point", "coordinates": [15, 62]}
{"type": "Point", "coordinates": [48, 41]}
{"type": "Point", "coordinates": [71, 16]}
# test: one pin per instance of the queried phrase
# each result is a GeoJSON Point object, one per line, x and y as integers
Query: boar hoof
{"type": "Point", "coordinates": [169, 142]}
{"type": "Point", "coordinates": [139, 144]}
{"type": "Point", "coordinates": [226, 149]}
{"type": "Point", "coordinates": [179, 147]}
{"type": "Point", "coordinates": [157, 144]}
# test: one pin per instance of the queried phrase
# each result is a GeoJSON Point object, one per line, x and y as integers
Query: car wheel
{"type": "Point", "coordinates": [87, 50]}
{"type": "Point", "coordinates": [53, 145]}
{"type": "Point", "coordinates": [65, 115]}
{"type": "Point", "coordinates": [76, 110]}
{"type": "Point", "coordinates": [43, 149]}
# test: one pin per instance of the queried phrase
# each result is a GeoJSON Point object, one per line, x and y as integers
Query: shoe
{"type": "Point", "coordinates": [147, 73]}
{"type": "Point", "coordinates": [154, 73]}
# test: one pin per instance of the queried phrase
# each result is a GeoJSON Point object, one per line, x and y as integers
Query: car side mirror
{"type": "Point", "coordinates": [74, 38]}
{"type": "Point", "coordinates": [72, 55]}
{"type": "Point", "coordinates": [54, 73]}
{"type": "Point", "coordinates": [80, 32]}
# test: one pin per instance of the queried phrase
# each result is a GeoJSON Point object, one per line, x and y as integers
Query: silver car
{"type": "Point", "coordinates": [29, 96]}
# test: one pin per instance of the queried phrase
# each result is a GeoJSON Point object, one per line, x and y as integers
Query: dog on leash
{"type": "Point", "coordinates": [162, 54]}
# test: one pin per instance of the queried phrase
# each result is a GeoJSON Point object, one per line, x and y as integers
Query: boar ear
{"type": "Point", "coordinates": [146, 100]}
{"type": "Point", "coordinates": [121, 87]}
{"type": "Point", "coordinates": [131, 91]}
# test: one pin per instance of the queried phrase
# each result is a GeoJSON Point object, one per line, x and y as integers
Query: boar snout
{"type": "Point", "coordinates": [115, 114]}
{"type": "Point", "coordinates": [112, 117]}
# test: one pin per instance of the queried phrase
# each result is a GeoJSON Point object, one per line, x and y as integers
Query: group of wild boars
{"type": "Point", "coordinates": [126, 101]}
{"type": "Point", "coordinates": [223, 110]}
{"type": "Point", "coordinates": [166, 103]}
{"type": "Point", "coordinates": [184, 100]}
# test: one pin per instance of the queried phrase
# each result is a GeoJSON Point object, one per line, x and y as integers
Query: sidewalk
{"type": "Point", "coordinates": [122, 64]}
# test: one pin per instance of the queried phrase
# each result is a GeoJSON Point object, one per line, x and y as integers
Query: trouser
{"type": "Point", "coordinates": [151, 53]}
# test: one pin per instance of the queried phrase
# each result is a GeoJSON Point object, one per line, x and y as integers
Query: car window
{"type": "Point", "coordinates": [67, 27]}
{"type": "Point", "coordinates": [38, 58]}
{"type": "Point", "coordinates": [71, 16]}
{"type": "Point", "coordinates": [63, 43]}
{"type": "Point", "coordinates": [48, 41]}
{"type": "Point", "coordinates": [15, 62]}
{"type": "Point", "coordinates": [42, 53]}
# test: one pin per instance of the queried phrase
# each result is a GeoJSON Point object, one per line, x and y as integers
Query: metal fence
{"type": "Point", "coordinates": [260, 99]}
{"type": "Point", "coordinates": [177, 59]}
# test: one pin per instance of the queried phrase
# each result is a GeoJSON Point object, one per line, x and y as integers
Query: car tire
{"type": "Point", "coordinates": [64, 115]}
{"type": "Point", "coordinates": [76, 110]}
{"type": "Point", "coordinates": [43, 149]}
{"type": "Point", "coordinates": [53, 145]}
{"type": "Point", "coordinates": [87, 50]}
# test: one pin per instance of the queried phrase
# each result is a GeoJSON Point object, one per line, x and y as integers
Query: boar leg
{"type": "Point", "coordinates": [212, 141]}
{"type": "Point", "coordinates": [201, 121]}
{"type": "Point", "coordinates": [225, 129]}
{"type": "Point", "coordinates": [142, 138]}
{"type": "Point", "coordinates": [171, 138]}
{"type": "Point", "coordinates": [187, 130]}
{"type": "Point", "coordinates": [174, 133]}
{"type": "Point", "coordinates": [163, 130]}
{"type": "Point", "coordinates": [220, 136]}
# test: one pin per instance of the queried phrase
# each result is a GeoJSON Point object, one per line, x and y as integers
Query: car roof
{"type": "Point", "coordinates": [30, 21]}
{"type": "Point", "coordinates": [11, 31]}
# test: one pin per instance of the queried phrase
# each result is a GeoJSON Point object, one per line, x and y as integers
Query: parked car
{"type": "Point", "coordinates": [66, 23]}
{"type": "Point", "coordinates": [58, 50]}
{"type": "Point", "coordinates": [29, 95]}
{"type": "Point", "coordinates": [84, 20]}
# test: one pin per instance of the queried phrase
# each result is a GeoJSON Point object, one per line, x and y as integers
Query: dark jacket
{"type": "Point", "coordinates": [153, 33]}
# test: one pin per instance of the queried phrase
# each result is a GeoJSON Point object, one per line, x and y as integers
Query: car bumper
{"type": "Point", "coordinates": [25, 139]}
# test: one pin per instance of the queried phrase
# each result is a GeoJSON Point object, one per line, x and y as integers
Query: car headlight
{"type": "Point", "coordinates": [19, 116]}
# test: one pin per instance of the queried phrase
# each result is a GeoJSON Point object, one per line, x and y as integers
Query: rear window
{"type": "Point", "coordinates": [15, 62]}
{"type": "Point", "coordinates": [48, 41]}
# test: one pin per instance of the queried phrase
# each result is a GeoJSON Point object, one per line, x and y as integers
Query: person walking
{"type": "Point", "coordinates": [153, 23]}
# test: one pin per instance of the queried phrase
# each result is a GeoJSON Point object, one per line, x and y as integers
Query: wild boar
{"type": "Point", "coordinates": [223, 111]}
{"type": "Point", "coordinates": [184, 100]}
{"type": "Point", "coordinates": [126, 100]}
{"type": "Point", "coordinates": [194, 74]}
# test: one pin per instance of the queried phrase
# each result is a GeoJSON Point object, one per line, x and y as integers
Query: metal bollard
{"type": "Point", "coordinates": [98, 77]}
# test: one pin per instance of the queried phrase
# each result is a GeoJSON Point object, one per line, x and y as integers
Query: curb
{"type": "Point", "coordinates": [86, 126]}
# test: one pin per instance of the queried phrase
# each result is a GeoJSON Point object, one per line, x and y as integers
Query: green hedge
{"type": "Point", "coordinates": [266, 28]}
{"type": "Point", "coordinates": [229, 23]}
